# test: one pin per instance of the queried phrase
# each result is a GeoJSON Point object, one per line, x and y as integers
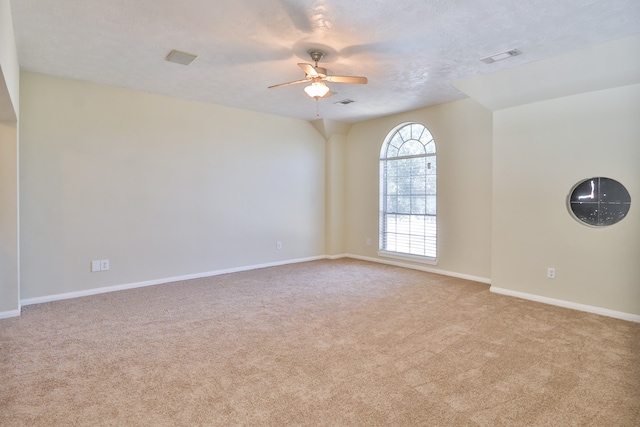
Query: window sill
{"type": "Point", "coordinates": [408, 257]}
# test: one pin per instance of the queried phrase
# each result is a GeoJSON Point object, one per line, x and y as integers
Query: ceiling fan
{"type": "Point", "coordinates": [317, 76]}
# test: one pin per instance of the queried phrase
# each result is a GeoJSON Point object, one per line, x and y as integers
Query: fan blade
{"type": "Point", "coordinates": [308, 69]}
{"type": "Point", "coordinates": [346, 79]}
{"type": "Point", "coordinates": [290, 83]}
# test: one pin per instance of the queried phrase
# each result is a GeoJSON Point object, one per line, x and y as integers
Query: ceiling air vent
{"type": "Point", "coordinates": [345, 101]}
{"type": "Point", "coordinates": [500, 56]}
{"type": "Point", "coordinates": [179, 57]}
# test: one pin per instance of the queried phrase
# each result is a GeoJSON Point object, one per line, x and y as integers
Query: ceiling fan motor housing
{"type": "Point", "coordinates": [316, 55]}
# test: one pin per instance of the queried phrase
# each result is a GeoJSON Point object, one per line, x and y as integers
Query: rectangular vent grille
{"type": "Point", "coordinates": [500, 56]}
{"type": "Point", "coordinates": [345, 101]}
{"type": "Point", "coordinates": [179, 57]}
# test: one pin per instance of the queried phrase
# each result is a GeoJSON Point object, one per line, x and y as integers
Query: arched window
{"type": "Point", "coordinates": [408, 224]}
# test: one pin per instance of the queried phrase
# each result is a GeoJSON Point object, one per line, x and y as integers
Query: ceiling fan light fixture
{"type": "Point", "coordinates": [317, 90]}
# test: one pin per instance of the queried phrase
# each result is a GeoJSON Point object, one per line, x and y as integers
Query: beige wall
{"type": "Point", "coordinates": [540, 151]}
{"type": "Point", "coordinates": [9, 262]}
{"type": "Point", "coordinates": [9, 237]}
{"type": "Point", "coordinates": [161, 187]}
{"type": "Point", "coordinates": [463, 135]}
{"type": "Point", "coordinates": [335, 195]}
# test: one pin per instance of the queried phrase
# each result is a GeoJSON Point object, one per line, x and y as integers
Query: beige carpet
{"type": "Point", "coordinates": [326, 343]}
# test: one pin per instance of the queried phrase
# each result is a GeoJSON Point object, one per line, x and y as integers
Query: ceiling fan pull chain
{"type": "Point", "coordinates": [317, 107]}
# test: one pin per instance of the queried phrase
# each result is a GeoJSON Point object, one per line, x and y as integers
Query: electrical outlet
{"type": "Point", "coordinates": [104, 265]}
{"type": "Point", "coordinates": [278, 245]}
{"type": "Point", "coordinates": [368, 241]}
{"type": "Point", "coordinates": [551, 273]}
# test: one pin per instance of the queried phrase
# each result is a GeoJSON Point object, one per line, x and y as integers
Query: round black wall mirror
{"type": "Point", "coordinates": [599, 201]}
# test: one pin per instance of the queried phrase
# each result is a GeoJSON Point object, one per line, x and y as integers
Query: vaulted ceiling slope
{"type": "Point", "coordinates": [412, 51]}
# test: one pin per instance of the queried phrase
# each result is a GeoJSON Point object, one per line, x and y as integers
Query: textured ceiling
{"type": "Point", "coordinates": [411, 51]}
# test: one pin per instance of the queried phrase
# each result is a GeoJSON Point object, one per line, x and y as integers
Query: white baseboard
{"type": "Point", "coordinates": [532, 297]}
{"type": "Point", "coordinates": [9, 313]}
{"type": "Point", "coordinates": [96, 291]}
{"type": "Point", "coordinates": [339, 256]}
{"type": "Point", "coordinates": [568, 304]}
{"type": "Point", "coordinates": [561, 303]}
{"type": "Point", "coordinates": [421, 268]}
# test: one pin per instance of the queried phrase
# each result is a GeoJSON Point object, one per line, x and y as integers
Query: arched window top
{"type": "Point", "coordinates": [408, 140]}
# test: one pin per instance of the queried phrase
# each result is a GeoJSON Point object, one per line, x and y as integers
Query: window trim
{"type": "Point", "coordinates": [408, 257]}
{"type": "Point", "coordinates": [598, 223]}
{"type": "Point", "coordinates": [381, 197]}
